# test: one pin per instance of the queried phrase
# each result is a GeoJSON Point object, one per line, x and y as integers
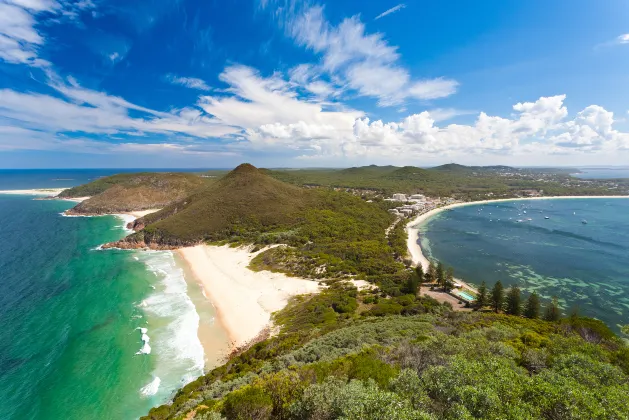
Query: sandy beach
{"type": "Point", "coordinates": [52, 192]}
{"type": "Point", "coordinates": [244, 299]}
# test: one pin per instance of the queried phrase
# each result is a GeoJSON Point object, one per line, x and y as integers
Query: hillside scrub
{"type": "Point", "coordinates": [332, 360]}
{"type": "Point", "coordinates": [132, 192]}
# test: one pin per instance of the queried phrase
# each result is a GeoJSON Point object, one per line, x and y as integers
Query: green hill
{"type": "Point", "coordinates": [132, 192]}
{"type": "Point", "coordinates": [328, 234]}
{"type": "Point", "coordinates": [245, 200]}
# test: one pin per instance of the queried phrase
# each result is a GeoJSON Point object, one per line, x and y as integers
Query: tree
{"type": "Point", "coordinates": [514, 301]}
{"type": "Point", "coordinates": [532, 307]}
{"type": "Point", "coordinates": [552, 312]}
{"type": "Point", "coordinates": [441, 275]}
{"type": "Point", "coordinates": [482, 299]}
{"type": "Point", "coordinates": [412, 284]}
{"type": "Point", "coordinates": [497, 297]}
{"type": "Point", "coordinates": [431, 275]}
{"type": "Point", "coordinates": [419, 270]}
{"type": "Point", "coordinates": [449, 282]}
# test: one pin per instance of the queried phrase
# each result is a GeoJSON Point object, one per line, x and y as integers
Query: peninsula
{"type": "Point", "coordinates": [317, 285]}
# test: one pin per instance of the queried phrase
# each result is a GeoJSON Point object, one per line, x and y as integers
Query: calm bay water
{"type": "Point", "coordinates": [71, 344]}
{"type": "Point", "coordinates": [584, 265]}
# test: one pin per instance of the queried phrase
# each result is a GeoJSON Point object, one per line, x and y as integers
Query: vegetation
{"type": "Point", "coordinates": [132, 192]}
{"type": "Point", "coordinates": [463, 182]}
{"type": "Point", "coordinates": [532, 308]}
{"type": "Point", "coordinates": [345, 354]}
{"type": "Point", "coordinates": [497, 298]}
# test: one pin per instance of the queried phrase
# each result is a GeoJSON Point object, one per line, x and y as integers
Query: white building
{"type": "Point", "coordinates": [399, 197]}
{"type": "Point", "coordinates": [418, 197]}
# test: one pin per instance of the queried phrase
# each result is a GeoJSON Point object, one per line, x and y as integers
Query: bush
{"type": "Point", "coordinates": [248, 403]}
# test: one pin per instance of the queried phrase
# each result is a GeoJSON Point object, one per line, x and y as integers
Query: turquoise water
{"type": "Point", "coordinates": [584, 265]}
{"type": "Point", "coordinates": [71, 344]}
{"type": "Point", "coordinates": [466, 295]}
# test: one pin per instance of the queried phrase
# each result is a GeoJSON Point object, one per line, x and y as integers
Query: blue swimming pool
{"type": "Point", "coordinates": [466, 295]}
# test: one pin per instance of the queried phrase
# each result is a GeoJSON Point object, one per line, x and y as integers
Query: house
{"type": "Point", "coordinates": [399, 197]}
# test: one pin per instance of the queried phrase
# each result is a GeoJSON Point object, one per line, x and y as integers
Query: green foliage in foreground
{"type": "Point", "coordinates": [333, 360]}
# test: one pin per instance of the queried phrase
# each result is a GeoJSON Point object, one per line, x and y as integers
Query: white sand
{"type": "Point", "coordinates": [141, 213]}
{"type": "Point", "coordinates": [412, 228]}
{"type": "Point", "coordinates": [244, 299]}
{"type": "Point", "coordinates": [52, 192]}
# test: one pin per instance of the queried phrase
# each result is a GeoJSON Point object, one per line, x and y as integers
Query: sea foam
{"type": "Point", "coordinates": [146, 348]}
{"type": "Point", "coordinates": [174, 322]}
{"type": "Point", "coordinates": [151, 388]}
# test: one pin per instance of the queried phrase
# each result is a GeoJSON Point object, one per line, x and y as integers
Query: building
{"type": "Point", "coordinates": [418, 197]}
{"type": "Point", "coordinates": [399, 197]}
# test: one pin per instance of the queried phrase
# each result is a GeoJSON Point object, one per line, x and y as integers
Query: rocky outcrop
{"type": "Point", "coordinates": [138, 245]}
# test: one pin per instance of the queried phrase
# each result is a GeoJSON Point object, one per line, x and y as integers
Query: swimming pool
{"type": "Point", "coordinates": [466, 295]}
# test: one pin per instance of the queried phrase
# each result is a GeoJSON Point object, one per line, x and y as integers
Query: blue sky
{"type": "Point", "coordinates": [190, 83]}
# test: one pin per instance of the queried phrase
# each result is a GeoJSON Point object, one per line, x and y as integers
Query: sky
{"type": "Point", "coordinates": [290, 83]}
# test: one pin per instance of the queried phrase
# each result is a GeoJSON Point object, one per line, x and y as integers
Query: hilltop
{"type": "Point", "coordinates": [244, 200]}
{"type": "Point", "coordinates": [132, 192]}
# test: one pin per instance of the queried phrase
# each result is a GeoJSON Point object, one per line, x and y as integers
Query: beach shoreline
{"type": "Point", "coordinates": [244, 299]}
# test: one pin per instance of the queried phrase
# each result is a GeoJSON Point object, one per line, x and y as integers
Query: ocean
{"type": "Point", "coordinates": [603, 173]}
{"type": "Point", "coordinates": [584, 265]}
{"type": "Point", "coordinates": [87, 333]}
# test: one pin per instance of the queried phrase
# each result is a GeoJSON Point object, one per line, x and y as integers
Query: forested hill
{"type": "Point", "coordinates": [132, 192]}
{"type": "Point", "coordinates": [464, 182]}
{"type": "Point", "coordinates": [345, 354]}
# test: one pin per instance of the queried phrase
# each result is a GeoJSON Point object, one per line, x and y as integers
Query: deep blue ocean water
{"type": "Point", "coordinates": [585, 265]}
{"type": "Point", "coordinates": [71, 344]}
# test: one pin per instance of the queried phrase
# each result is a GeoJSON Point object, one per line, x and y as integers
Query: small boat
{"type": "Point", "coordinates": [585, 222]}
{"type": "Point", "coordinates": [528, 220]}
{"type": "Point", "coordinates": [524, 212]}
{"type": "Point", "coordinates": [520, 221]}
{"type": "Point", "coordinates": [546, 217]}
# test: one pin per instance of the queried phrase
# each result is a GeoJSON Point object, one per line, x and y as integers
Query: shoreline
{"type": "Point", "coordinates": [412, 227]}
{"type": "Point", "coordinates": [244, 299]}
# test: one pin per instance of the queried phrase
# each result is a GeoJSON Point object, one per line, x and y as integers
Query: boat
{"type": "Point", "coordinates": [520, 221]}
{"type": "Point", "coordinates": [585, 222]}
{"type": "Point", "coordinates": [524, 212]}
{"type": "Point", "coordinates": [546, 217]}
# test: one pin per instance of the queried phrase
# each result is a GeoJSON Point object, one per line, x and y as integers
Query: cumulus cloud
{"type": "Point", "coordinates": [391, 10]}
{"type": "Point", "coordinates": [539, 126]}
{"type": "Point", "coordinates": [366, 63]}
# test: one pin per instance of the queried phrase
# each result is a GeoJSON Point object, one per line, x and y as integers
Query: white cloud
{"type": "Point", "coordinates": [391, 10]}
{"type": "Point", "coordinates": [623, 39]}
{"type": "Point", "coordinates": [82, 110]}
{"type": "Point", "coordinates": [535, 127]}
{"type": "Point", "coordinates": [20, 41]}
{"type": "Point", "coordinates": [189, 82]}
{"type": "Point", "coordinates": [365, 62]}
